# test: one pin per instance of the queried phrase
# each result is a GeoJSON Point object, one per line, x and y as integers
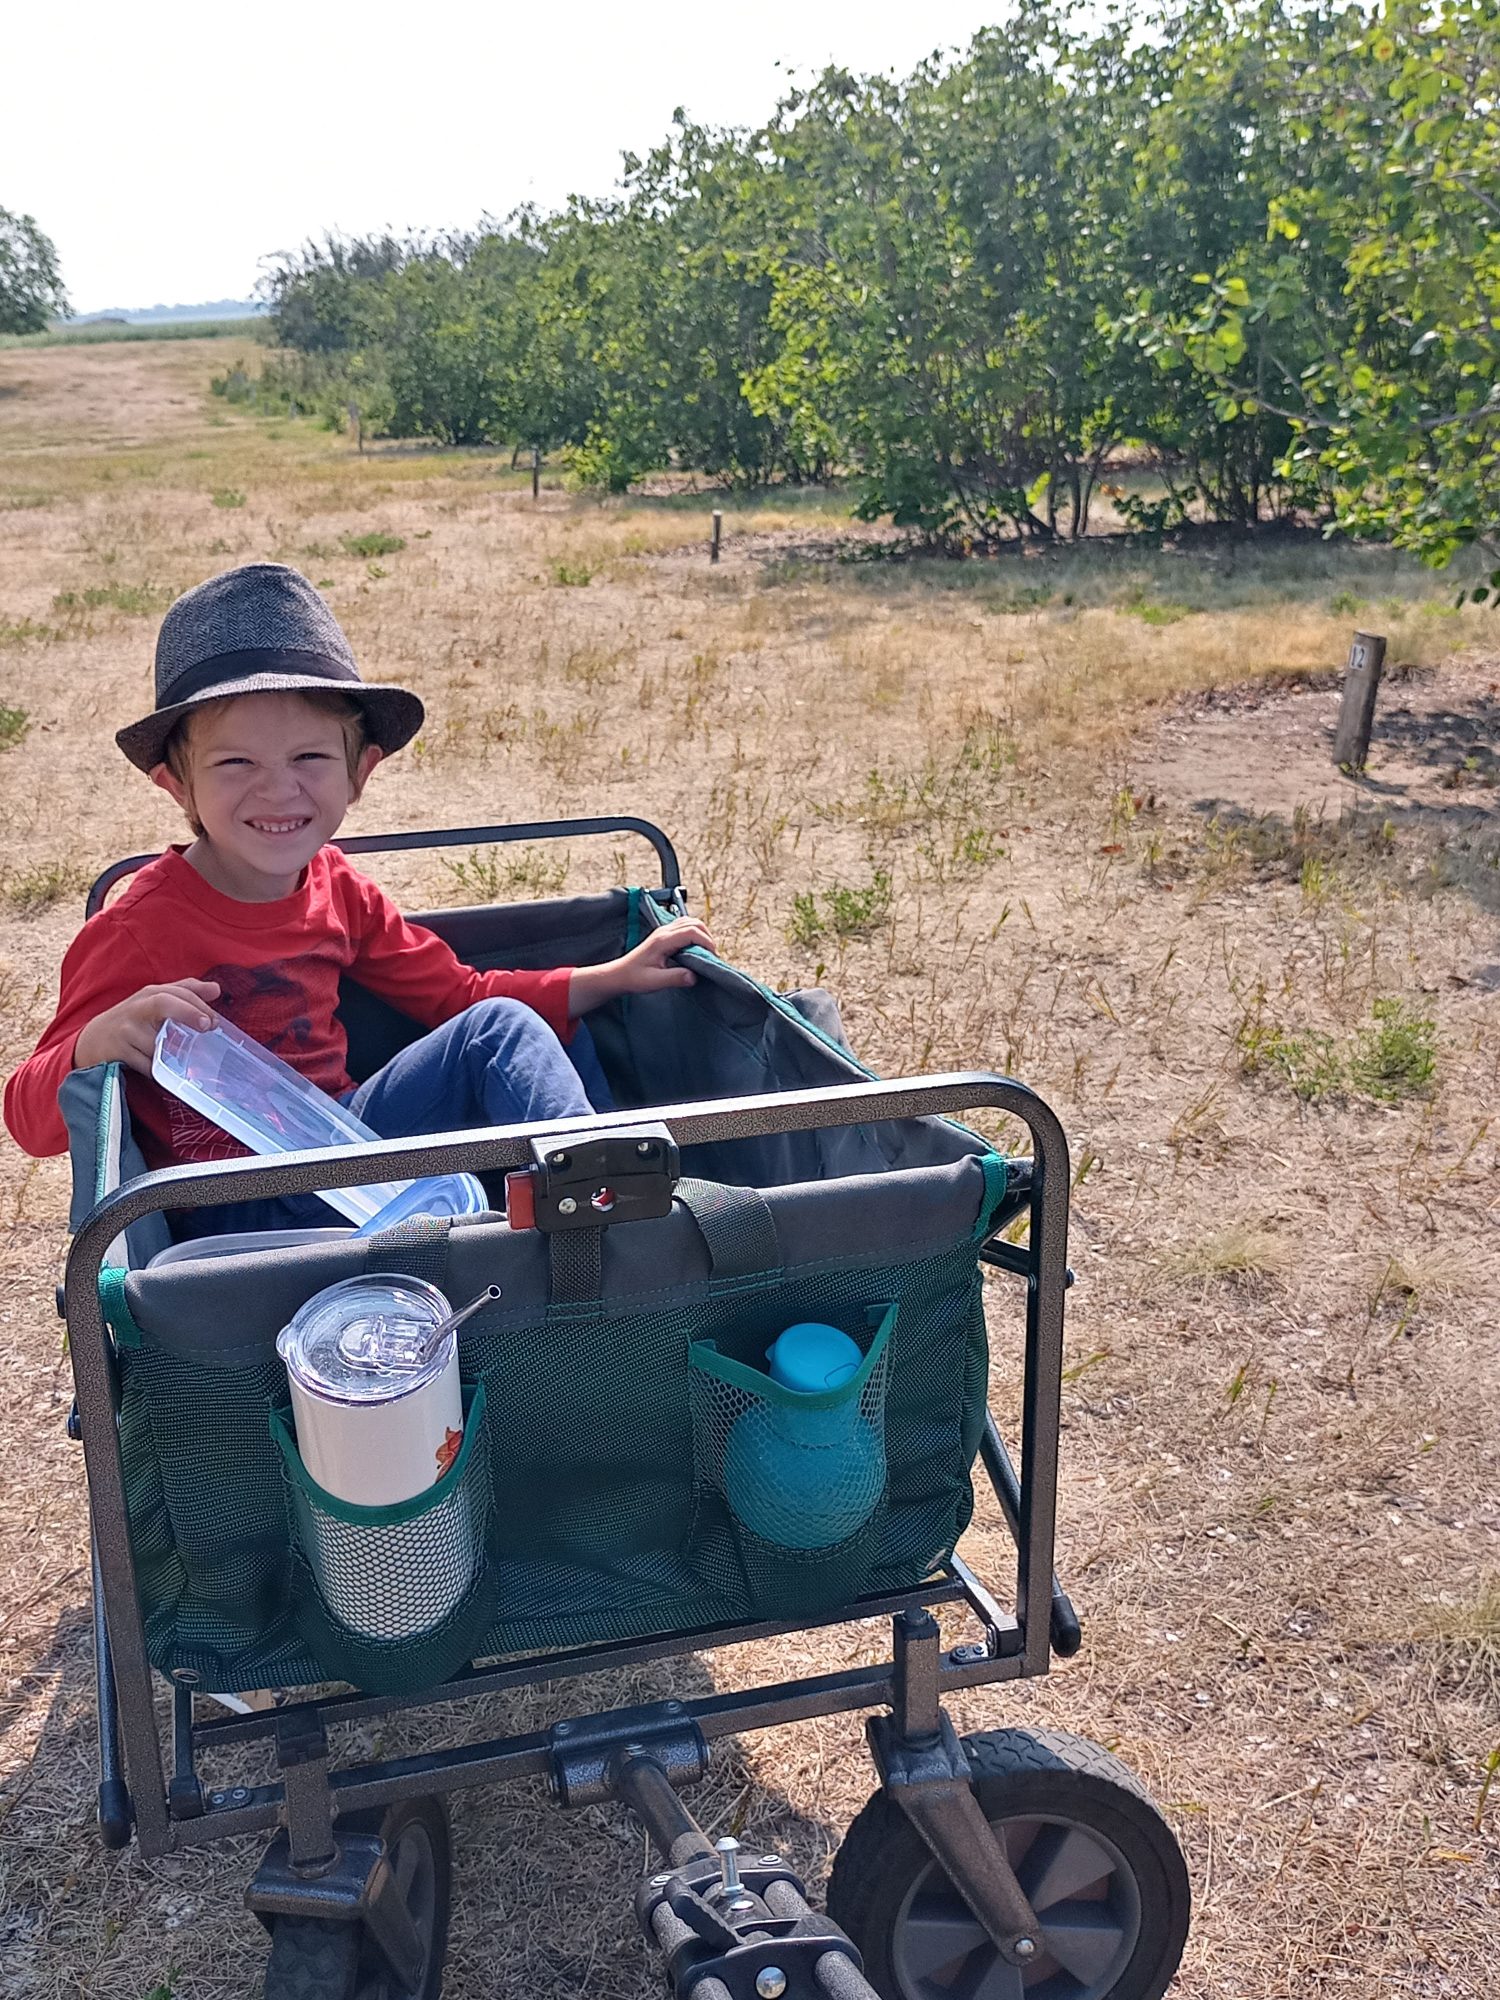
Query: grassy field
{"type": "Point", "coordinates": [1071, 817]}
{"type": "Point", "coordinates": [96, 333]}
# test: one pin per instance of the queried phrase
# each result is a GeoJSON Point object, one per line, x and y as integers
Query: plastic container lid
{"type": "Point", "coordinates": [361, 1341]}
{"type": "Point", "coordinates": [264, 1103]}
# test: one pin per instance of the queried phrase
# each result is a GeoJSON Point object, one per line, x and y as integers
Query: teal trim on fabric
{"type": "Point", "coordinates": [112, 1303]}
{"type": "Point", "coordinates": [996, 1184]}
{"type": "Point", "coordinates": [635, 926]}
{"type": "Point", "coordinates": [395, 1511]}
{"type": "Point", "coordinates": [109, 1088]}
{"type": "Point", "coordinates": [706, 1358]}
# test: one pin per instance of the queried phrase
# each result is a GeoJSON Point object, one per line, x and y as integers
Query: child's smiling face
{"type": "Point", "coordinates": [269, 780]}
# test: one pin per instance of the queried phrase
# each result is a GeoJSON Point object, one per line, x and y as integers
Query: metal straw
{"type": "Point", "coordinates": [444, 1327]}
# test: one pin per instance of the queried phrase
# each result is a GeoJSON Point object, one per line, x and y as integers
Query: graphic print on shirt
{"type": "Point", "coordinates": [269, 1003]}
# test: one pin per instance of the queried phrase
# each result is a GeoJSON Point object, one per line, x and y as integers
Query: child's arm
{"type": "Point", "coordinates": [644, 970]}
{"type": "Point", "coordinates": [108, 1010]}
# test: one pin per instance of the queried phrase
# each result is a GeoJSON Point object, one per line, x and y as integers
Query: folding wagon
{"type": "Point", "coordinates": [755, 1174]}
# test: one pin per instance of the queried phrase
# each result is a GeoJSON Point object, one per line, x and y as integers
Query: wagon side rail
{"type": "Point", "coordinates": [459, 836]}
{"type": "Point", "coordinates": [1029, 1499]}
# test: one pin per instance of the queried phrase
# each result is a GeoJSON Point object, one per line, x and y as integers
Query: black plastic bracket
{"type": "Point", "coordinates": [735, 1942]}
{"type": "Point", "coordinates": [587, 1183]}
{"type": "Point", "coordinates": [358, 1887]}
{"type": "Point", "coordinates": [585, 1750]}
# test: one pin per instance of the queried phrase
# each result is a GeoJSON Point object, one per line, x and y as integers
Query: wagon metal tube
{"type": "Point", "coordinates": [453, 836]}
{"type": "Point", "coordinates": [841, 1979]}
{"type": "Point", "coordinates": [501, 1149]}
{"type": "Point", "coordinates": [838, 1975]}
{"type": "Point", "coordinates": [670, 1931]}
{"type": "Point", "coordinates": [644, 1786]}
{"type": "Point", "coordinates": [1002, 1472]}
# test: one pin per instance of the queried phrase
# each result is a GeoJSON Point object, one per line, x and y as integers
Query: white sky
{"type": "Point", "coordinates": [167, 145]}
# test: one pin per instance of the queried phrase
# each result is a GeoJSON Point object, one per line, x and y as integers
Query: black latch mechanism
{"type": "Point", "coordinates": [587, 1182]}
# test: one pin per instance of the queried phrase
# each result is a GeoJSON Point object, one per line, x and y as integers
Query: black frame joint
{"type": "Point", "coordinates": [587, 1751]}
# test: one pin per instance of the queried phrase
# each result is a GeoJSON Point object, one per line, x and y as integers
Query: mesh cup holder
{"type": "Point", "coordinates": [396, 1598]}
{"type": "Point", "coordinates": [799, 1479]}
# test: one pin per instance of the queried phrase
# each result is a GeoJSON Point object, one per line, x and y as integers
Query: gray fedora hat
{"type": "Point", "coordinates": [261, 629]}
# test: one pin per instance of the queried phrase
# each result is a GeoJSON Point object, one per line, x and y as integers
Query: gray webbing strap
{"type": "Point", "coordinates": [738, 1227]}
{"type": "Point", "coordinates": [576, 1257]}
{"type": "Point", "coordinates": [415, 1248]}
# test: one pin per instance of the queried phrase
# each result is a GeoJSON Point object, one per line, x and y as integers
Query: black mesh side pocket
{"type": "Point", "coordinates": [791, 1486]}
{"type": "Point", "coordinates": [396, 1598]}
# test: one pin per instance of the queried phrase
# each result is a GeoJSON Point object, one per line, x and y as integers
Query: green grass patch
{"type": "Point", "coordinates": [1392, 1056]}
{"type": "Point", "coordinates": [375, 544]}
{"type": "Point", "coordinates": [24, 632]}
{"type": "Point", "coordinates": [841, 911]}
{"type": "Point", "coordinates": [1396, 1056]}
{"type": "Point", "coordinates": [488, 877]}
{"type": "Point", "coordinates": [32, 890]}
{"type": "Point", "coordinates": [228, 496]}
{"type": "Point", "coordinates": [100, 334]}
{"type": "Point", "coordinates": [136, 600]}
{"type": "Point", "coordinates": [14, 723]}
{"type": "Point", "coordinates": [573, 575]}
{"type": "Point", "coordinates": [1160, 614]}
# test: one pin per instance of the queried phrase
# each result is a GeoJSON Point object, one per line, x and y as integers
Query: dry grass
{"type": "Point", "coordinates": [1278, 1509]}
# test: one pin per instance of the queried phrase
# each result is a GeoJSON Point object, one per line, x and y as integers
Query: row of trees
{"type": "Point", "coordinates": [1259, 242]}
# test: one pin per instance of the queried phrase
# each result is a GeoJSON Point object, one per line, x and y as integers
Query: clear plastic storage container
{"type": "Point", "coordinates": [263, 1102]}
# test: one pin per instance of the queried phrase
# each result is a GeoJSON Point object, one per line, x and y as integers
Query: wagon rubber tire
{"type": "Point", "coordinates": [1102, 1866]}
{"type": "Point", "coordinates": [318, 1958]}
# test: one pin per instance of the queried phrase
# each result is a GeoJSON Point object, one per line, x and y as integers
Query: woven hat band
{"type": "Point", "coordinates": [225, 668]}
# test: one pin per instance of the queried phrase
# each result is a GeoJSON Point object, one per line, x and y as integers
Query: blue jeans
{"type": "Point", "coordinates": [497, 1063]}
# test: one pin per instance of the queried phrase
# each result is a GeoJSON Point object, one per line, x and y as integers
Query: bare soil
{"type": "Point", "coordinates": [1117, 864]}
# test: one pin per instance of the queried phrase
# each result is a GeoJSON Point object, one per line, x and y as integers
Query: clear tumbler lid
{"type": "Point", "coordinates": [366, 1340]}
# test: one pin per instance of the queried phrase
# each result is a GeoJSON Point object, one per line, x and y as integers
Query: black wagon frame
{"type": "Point", "coordinates": [165, 1801]}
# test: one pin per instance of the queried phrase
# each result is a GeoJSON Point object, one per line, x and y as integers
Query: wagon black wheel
{"type": "Point", "coordinates": [316, 1959]}
{"type": "Point", "coordinates": [1097, 1861]}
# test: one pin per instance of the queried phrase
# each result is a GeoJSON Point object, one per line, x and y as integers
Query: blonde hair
{"type": "Point", "coordinates": [177, 751]}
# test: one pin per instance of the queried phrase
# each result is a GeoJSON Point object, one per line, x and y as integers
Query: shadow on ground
{"type": "Point", "coordinates": [541, 1898]}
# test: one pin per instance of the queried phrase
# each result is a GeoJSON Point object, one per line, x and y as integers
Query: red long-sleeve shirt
{"type": "Point", "coordinates": [277, 966]}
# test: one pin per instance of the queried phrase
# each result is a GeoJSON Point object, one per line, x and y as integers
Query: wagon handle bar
{"type": "Point", "coordinates": [454, 836]}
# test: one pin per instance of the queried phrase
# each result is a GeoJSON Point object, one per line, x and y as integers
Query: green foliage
{"type": "Point", "coordinates": [1254, 242]}
{"type": "Point", "coordinates": [1363, 320]}
{"type": "Point", "coordinates": [14, 723]}
{"type": "Point", "coordinates": [31, 287]}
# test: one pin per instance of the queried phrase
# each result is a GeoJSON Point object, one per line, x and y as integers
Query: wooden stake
{"type": "Point", "coordinates": [713, 546]}
{"type": "Point", "coordinates": [536, 470]}
{"type": "Point", "coordinates": [358, 427]}
{"type": "Point", "coordinates": [1351, 736]}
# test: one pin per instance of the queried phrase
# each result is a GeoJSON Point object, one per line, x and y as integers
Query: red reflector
{"type": "Point", "coordinates": [520, 1200]}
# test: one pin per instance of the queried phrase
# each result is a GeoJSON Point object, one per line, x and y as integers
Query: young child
{"type": "Point", "coordinates": [265, 734]}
